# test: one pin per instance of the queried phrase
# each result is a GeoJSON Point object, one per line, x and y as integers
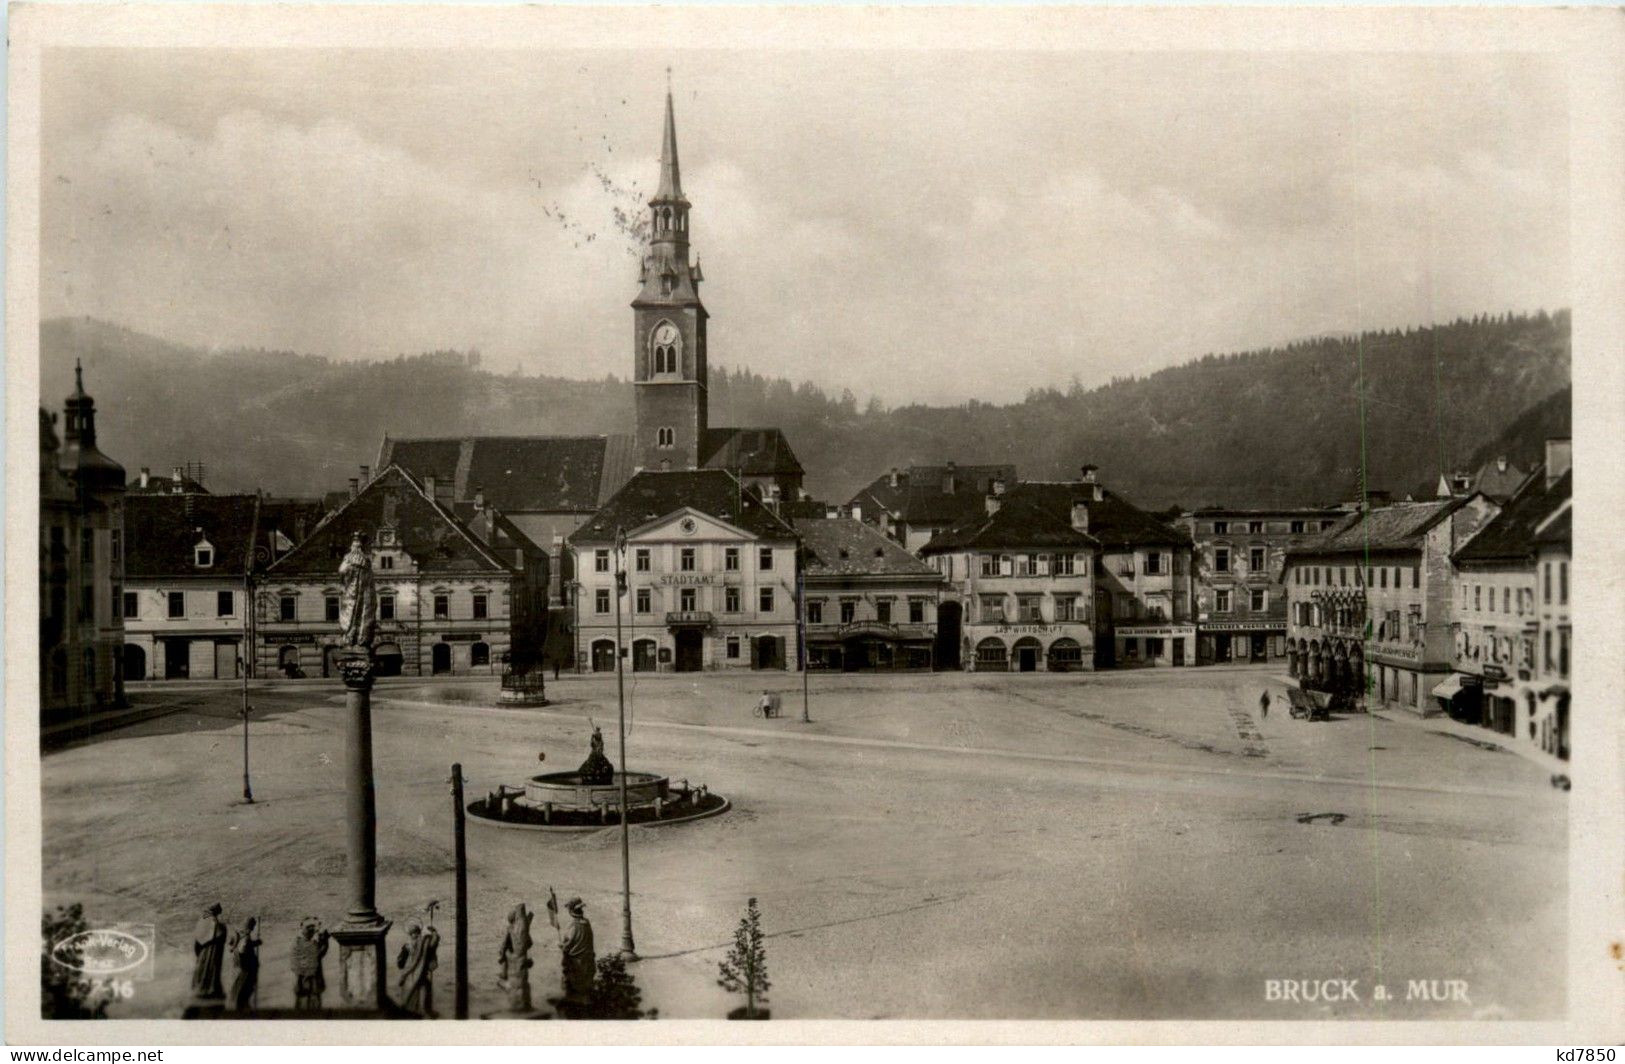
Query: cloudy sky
{"type": "Point", "coordinates": [927, 225]}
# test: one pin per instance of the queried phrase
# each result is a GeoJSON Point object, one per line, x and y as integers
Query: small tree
{"type": "Point", "coordinates": [65, 993]}
{"type": "Point", "coordinates": [615, 996]}
{"type": "Point", "coordinates": [744, 970]}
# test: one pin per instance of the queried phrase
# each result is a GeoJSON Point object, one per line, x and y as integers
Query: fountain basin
{"type": "Point", "coordinates": [567, 790]}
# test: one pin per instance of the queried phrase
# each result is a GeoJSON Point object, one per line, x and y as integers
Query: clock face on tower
{"type": "Point", "coordinates": [665, 333]}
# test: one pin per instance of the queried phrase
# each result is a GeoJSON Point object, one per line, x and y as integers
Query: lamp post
{"type": "Point", "coordinates": [627, 950]}
{"type": "Point", "coordinates": [248, 792]}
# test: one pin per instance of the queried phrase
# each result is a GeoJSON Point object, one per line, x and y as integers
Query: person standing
{"type": "Point", "coordinates": [1264, 704]}
{"type": "Point", "coordinates": [209, 951]}
{"type": "Point", "coordinates": [245, 959]}
{"type": "Point", "coordinates": [575, 946]}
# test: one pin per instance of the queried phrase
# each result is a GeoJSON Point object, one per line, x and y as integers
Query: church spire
{"type": "Point", "coordinates": [671, 182]}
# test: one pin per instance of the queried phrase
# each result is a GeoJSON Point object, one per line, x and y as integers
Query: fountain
{"type": "Point", "coordinates": [590, 798]}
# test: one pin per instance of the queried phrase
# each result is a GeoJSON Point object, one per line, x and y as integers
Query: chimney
{"type": "Point", "coordinates": [1089, 473]}
{"type": "Point", "coordinates": [998, 485]}
{"type": "Point", "coordinates": [1559, 458]}
{"type": "Point", "coordinates": [1501, 463]}
{"type": "Point", "coordinates": [894, 476]}
{"type": "Point", "coordinates": [479, 498]}
{"type": "Point", "coordinates": [366, 474]}
{"type": "Point", "coordinates": [1080, 516]}
{"type": "Point", "coordinates": [146, 474]}
{"type": "Point", "coordinates": [428, 486]}
{"type": "Point", "coordinates": [949, 480]}
{"type": "Point", "coordinates": [994, 501]}
{"type": "Point", "coordinates": [857, 512]}
{"type": "Point", "coordinates": [355, 487]}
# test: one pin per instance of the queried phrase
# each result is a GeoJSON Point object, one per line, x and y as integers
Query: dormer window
{"type": "Point", "coordinates": [203, 554]}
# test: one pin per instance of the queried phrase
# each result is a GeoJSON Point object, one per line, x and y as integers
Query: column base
{"type": "Point", "coordinates": [363, 966]}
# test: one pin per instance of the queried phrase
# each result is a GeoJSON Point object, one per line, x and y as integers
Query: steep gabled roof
{"type": "Point", "coordinates": [650, 496]}
{"type": "Point", "coordinates": [750, 452]}
{"type": "Point", "coordinates": [1113, 520]}
{"type": "Point", "coordinates": [1557, 530]}
{"type": "Point", "coordinates": [920, 498]}
{"type": "Point", "coordinates": [1510, 534]}
{"type": "Point", "coordinates": [1018, 524]}
{"type": "Point", "coordinates": [161, 532]}
{"type": "Point", "coordinates": [1398, 526]}
{"type": "Point", "coordinates": [437, 541]}
{"type": "Point", "coordinates": [518, 473]}
{"type": "Point", "coordinates": [840, 546]}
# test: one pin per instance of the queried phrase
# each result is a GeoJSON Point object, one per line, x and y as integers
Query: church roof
{"type": "Point", "coordinates": [649, 496]}
{"type": "Point", "coordinates": [434, 537]}
{"type": "Point", "coordinates": [671, 182]}
{"type": "Point", "coordinates": [520, 474]}
{"type": "Point", "coordinates": [750, 452]}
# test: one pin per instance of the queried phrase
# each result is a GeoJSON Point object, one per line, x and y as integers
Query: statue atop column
{"type": "Point", "coordinates": [358, 601]}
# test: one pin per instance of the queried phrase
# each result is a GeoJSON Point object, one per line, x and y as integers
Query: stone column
{"type": "Point", "coordinates": [363, 967]}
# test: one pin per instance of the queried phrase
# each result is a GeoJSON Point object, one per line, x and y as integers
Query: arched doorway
{"type": "Point", "coordinates": [287, 660]}
{"type": "Point", "coordinates": [387, 659]}
{"type": "Point", "coordinates": [1065, 655]}
{"type": "Point", "coordinates": [135, 662]}
{"type": "Point", "coordinates": [479, 655]}
{"type": "Point", "coordinates": [603, 655]}
{"type": "Point", "coordinates": [1027, 653]}
{"type": "Point", "coordinates": [950, 616]}
{"type": "Point", "coordinates": [643, 655]}
{"type": "Point", "coordinates": [992, 656]}
{"type": "Point", "coordinates": [769, 652]}
{"type": "Point", "coordinates": [440, 659]}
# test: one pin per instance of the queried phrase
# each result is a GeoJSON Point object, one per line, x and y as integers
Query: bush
{"type": "Point", "coordinates": [615, 995]}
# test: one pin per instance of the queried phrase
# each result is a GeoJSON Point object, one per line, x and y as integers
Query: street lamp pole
{"type": "Point", "coordinates": [627, 950]}
{"type": "Point", "coordinates": [248, 792]}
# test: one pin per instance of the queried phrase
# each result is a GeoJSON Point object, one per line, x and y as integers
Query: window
{"type": "Point", "coordinates": [849, 611]}
{"type": "Point", "coordinates": [331, 604]}
{"type": "Point", "coordinates": [1324, 525]}
{"type": "Point", "coordinates": [1221, 559]}
{"type": "Point", "coordinates": [480, 607]}
{"type": "Point", "coordinates": [442, 607]}
{"type": "Point", "coordinates": [991, 608]}
{"type": "Point", "coordinates": [1506, 600]}
{"type": "Point", "coordinates": [815, 612]}
{"type": "Point", "coordinates": [1255, 559]}
{"type": "Point", "coordinates": [1563, 584]}
{"type": "Point", "coordinates": [730, 600]}
{"type": "Point", "coordinates": [479, 654]}
{"type": "Point", "coordinates": [733, 646]}
{"type": "Point", "coordinates": [87, 602]}
{"type": "Point", "coordinates": [177, 604]}
{"type": "Point", "coordinates": [1061, 565]}
{"type": "Point", "coordinates": [132, 604]}
{"type": "Point", "coordinates": [640, 559]}
{"type": "Point", "coordinates": [1478, 597]}
{"type": "Point", "coordinates": [87, 546]}
{"type": "Point", "coordinates": [284, 608]}
{"type": "Point", "coordinates": [224, 606]}
{"type": "Point", "coordinates": [990, 565]}
{"type": "Point", "coordinates": [1221, 601]}
{"type": "Point", "coordinates": [764, 559]}
{"type": "Point", "coordinates": [766, 600]}
{"type": "Point", "coordinates": [1382, 577]}
{"type": "Point", "coordinates": [640, 600]}
{"type": "Point", "coordinates": [916, 609]}
{"type": "Point", "coordinates": [1255, 526]}
{"type": "Point", "coordinates": [1416, 576]}
{"type": "Point", "coordinates": [386, 607]}
{"type": "Point", "coordinates": [1546, 593]}
{"type": "Point", "coordinates": [883, 611]}
{"type": "Point", "coordinates": [1296, 527]}
{"type": "Point", "coordinates": [685, 559]}
{"type": "Point", "coordinates": [1548, 654]}
{"type": "Point", "coordinates": [1259, 600]}
{"type": "Point", "coordinates": [665, 437]}
{"type": "Point", "coordinates": [117, 544]}
{"type": "Point", "coordinates": [600, 600]}
{"type": "Point", "coordinates": [204, 557]}
{"type": "Point", "coordinates": [1063, 607]}
{"type": "Point", "coordinates": [386, 561]}
{"type": "Point", "coordinates": [1153, 561]}
{"type": "Point", "coordinates": [600, 561]}
{"type": "Point", "coordinates": [730, 559]}
{"type": "Point", "coordinates": [688, 599]}
{"type": "Point", "coordinates": [1562, 651]}
{"type": "Point", "coordinates": [666, 354]}
{"type": "Point", "coordinates": [1221, 528]}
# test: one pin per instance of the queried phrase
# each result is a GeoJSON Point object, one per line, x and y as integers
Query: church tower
{"type": "Point", "coordinates": [668, 335]}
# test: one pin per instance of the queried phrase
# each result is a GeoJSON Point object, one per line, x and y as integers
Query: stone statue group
{"type": "Point", "coordinates": [211, 942]}
{"type": "Point", "coordinates": [575, 951]}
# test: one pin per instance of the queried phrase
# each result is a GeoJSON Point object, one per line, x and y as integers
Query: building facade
{"type": "Point", "coordinates": [1370, 602]}
{"type": "Point", "coordinates": [455, 596]}
{"type": "Point", "coordinates": [1020, 580]}
{"type": "Point", "coordinates": [867, 603]}
{"type": "Point", "coordinates": [82, 494]}
{"type": "Point", "coordinates": [710, 578]}
{"type": "Point", "coordinates": [1554, 550]}
{"type": "Point", "coordinates": [1240, 556]}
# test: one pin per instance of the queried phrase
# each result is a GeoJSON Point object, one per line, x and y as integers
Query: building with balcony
{"type": "Point", "coordinates": [1501, 593]}
{"type": "Point", "coordinates": [81, 562]}
{"type": "Point", "coordinates": [867, 603]}
{"type": "Point", "coordinates": [710, 578]}
{"type": "Point", "coordinates": [1370, 602]}
{"type": "Point", "coordinates": [1239, 559]}
{"type": "Point", "coordinates": [457, 594]}
{"type": "Point", "coordinates": [1019, 587]}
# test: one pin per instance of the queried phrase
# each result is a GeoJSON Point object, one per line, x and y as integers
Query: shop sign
{"type": "Point", "coordinates": [673, 579]}
{"type": "Point", "coordinates": [302, 637]}
{"type": "Point", "coordinates": [461, 637]}
{"type": "Point", "coordinates": [1244, 626]}
{"type": "Point", "coordinates": [1139, 630]}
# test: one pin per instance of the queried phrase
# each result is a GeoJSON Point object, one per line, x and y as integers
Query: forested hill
{"type": "Point", "coordinates": [1285, 424]}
